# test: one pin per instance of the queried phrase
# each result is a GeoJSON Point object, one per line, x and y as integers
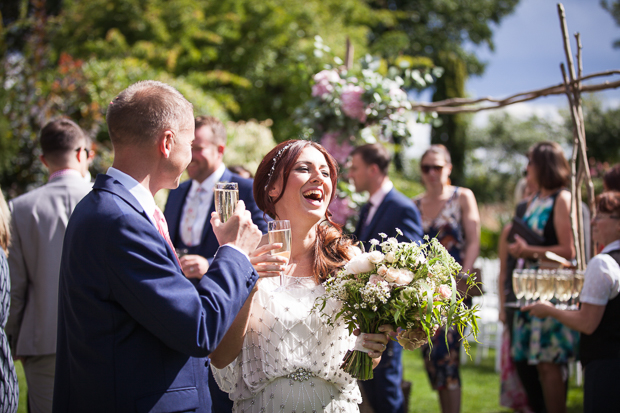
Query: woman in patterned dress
{"type": "Point", "coordinates": [542, 347]}
{"type": "Point", "coordinates": [9, 388]}
{"type": "Point", "coordinates": [598, 318]}
{"type": "Point", "coordinates": [280, 355]}
{"type": "Point", "coordinates": [449, 213]}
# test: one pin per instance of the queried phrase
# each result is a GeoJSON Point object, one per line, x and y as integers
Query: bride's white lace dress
{"type": "Point", "coordinates": [290, 360]}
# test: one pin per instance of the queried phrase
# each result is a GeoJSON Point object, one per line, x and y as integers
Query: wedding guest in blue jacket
{"type": "Point", "coordinates": [133, 332]}
{"type": "Point", "coordinates": [386, 210]}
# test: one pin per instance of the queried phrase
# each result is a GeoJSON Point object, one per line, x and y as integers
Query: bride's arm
{"type": "Point", "coordinates": [229, 348]}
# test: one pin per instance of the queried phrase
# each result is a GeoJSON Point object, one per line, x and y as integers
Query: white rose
{"type": "Point", "coordinates": [404, 277]}
{"type": "Point", "coordinates": [390, 257]}
{"type": "Point", "coordinates": [375, 279]}
{"type": "Point", "coordinates": [375, 257]}
{"type": "Point", "coordinates": [391, 275]}
{"type": "Point", "coordinates": [382, 270]}
{"type": "Point", "coordinates": [359, 264]}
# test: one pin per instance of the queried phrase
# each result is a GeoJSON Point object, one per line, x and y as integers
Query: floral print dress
{"type": "Point", "coordinates": [536, 339]}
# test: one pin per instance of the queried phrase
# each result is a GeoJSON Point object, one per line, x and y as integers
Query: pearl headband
{"type": "Point", "coordinates": [273, 165]}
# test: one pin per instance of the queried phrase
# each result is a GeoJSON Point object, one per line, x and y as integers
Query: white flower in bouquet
{"type": "Point", "coordinates": [390, 257]}
{"type": "Point", "coordinates": [359, 264]}
{"type": "Point", "coordinates": [375, 257]}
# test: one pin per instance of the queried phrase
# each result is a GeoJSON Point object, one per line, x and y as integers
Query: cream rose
{"type": "Point", "coordinates": [390, 257]}
{"type": "Point", "coordinates": [375, 279]}
{"type": "Point", "coordinates": [382, 270]}
{"type": "Point", "coordinates": [375, 257]}
{"type": "Point", "coordinates": [404, 277]}
{"type": "Point", "coordinates": [359, 264]}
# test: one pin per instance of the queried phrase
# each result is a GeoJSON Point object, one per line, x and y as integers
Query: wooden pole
{"type": "Point", "coordinates": [348, 60]}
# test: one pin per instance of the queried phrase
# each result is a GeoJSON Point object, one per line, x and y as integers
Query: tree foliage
{"type": "Point", "coordinates": [602, 130]}
{"type": "Point", "coordinates": [614, 9]}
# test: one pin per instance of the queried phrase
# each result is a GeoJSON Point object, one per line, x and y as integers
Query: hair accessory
{"type": "Point", "coordinates": [273, 165]}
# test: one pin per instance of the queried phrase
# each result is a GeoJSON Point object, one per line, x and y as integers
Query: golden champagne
{"type": "Point", "coordinates": [226, 202]}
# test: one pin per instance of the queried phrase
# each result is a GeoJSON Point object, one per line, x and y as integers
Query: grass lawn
{"type": "Point", "coordinates": [480, 387]}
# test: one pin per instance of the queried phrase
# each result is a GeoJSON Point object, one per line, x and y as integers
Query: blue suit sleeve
{"type": "Point", "coordinates": [147, 282]}
{"type": "Point", "coordinates": [410, 224]}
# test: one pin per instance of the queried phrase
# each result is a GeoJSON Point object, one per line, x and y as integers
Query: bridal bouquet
{"type": "Point", "coordinates": [409, 285]}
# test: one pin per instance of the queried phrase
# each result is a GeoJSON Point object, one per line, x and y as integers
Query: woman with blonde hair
{"type": "Point", "coordinates": [449, 213]}
{"type": "Point", "coordinates": [10, 387]}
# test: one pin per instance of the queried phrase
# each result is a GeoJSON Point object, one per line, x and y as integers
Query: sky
{"type": "Point", "coordinates": [528, 52]}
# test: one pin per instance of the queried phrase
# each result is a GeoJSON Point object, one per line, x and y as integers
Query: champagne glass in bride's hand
{"type": "Point", "coordinates": [226, 198]}
{"type": "Point", "coordinates": [280, 231]}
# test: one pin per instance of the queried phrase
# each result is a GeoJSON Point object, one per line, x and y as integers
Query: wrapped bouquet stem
{"type": "Point", "coordinates": [409, 285]}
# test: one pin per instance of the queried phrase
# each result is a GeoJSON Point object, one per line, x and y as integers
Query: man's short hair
{"type": "Point", "coordinates": [374, 153]}
{"type": "Point", "coordinates": [217, 128]}
{"type": "Point", "coordinates": [140, 113]}
{"type": "Point", "coordinates": [60, 137]}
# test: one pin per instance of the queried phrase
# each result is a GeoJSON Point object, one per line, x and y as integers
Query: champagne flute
{"type": "Point", "coordinates": [577, 286]}
{"type": "Point", "coordinates": [563, 287]}
{"type": "Point", "coordinates": [226, 198]}
{"type": "Point", "coordinates": [280, 231]}
{"type": "Point", "coordinates": [544, 285]}
{"type": "Point", "coordinates": [517, 285]}
{"type": "Point", "coordinates": [529, 284]}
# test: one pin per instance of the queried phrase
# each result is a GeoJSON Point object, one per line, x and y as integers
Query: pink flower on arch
{"type": "Point", "coordinates": [340, 151]}
{"type": "Point", "coordinates": [323, 82]}
{"type": "Point", "coordinates": [340, 210]}
{"type": "Point", "coordinates": [352, 104]}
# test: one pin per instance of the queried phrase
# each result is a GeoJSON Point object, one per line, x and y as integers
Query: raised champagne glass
{"type": "Point", "coordinates": [226, 198]}
{"type": "Point", "coordinates": [280, 231]}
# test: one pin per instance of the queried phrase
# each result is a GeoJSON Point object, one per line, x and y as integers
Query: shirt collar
{"type": "Point", "coordinates": [376, 198]}
{"type": "Point", "coordinates": [64, 172]}
{"type": "Point", "coordinates": [143, 195]}
{"type": "Point", "coordinates": [208, 184]}
{"type": "Point", "coordinates": [611, 247]}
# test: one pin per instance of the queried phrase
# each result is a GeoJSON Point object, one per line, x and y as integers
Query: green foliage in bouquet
{"type": "Point", "coordinates": [409, 285]}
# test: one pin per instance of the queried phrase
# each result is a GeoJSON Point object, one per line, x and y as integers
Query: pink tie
{"type": "Point", "coordinates": [162, 227]}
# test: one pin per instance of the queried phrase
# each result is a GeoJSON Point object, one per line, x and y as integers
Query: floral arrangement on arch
{"type": "Point", "coordinates": [348, 110]}
{"type": "Point", "coordinates": [410, 285]}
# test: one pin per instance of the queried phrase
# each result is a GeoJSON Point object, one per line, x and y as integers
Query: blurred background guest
{"type": "Point", "coordinates": [39, 221]}
{"type": "Point", "coordinates": [542, 348]}
{"type": "Point", "coordinates": [9, 386]}
{"type": "Point", "coordinates": [449, 213]}
{"type": "Point", "coordinates": [611, 179]}
{"type": "Point", "coordinates": [241, 171]}
{"type": "Point", "coordinates": [598, 319]}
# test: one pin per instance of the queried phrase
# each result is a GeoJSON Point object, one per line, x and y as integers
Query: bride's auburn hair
{"type": "Point", "coordinates": [332, 249]}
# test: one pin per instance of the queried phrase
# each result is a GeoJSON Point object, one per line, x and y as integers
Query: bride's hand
{"type": "Point", "coordinates": [376, 342]}
{"type": "Point", "coordinates": [265, 264]}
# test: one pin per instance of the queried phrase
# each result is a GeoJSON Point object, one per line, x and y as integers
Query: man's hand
{"type": "Point", "coordinates": [194, 266]}
{"type": "Point", "coordinates": [239, 230]}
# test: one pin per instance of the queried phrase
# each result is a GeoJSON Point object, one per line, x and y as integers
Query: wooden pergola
{"type": "Point", "coordinates": [573, 88]}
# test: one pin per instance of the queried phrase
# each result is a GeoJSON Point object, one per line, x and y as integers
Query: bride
{"type": "Point", "coordinates": [280, 355]}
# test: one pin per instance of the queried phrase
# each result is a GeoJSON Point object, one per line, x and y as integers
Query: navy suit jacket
{"type": "Point", "coordinates": [396, 211]}
{"type": "Point", "coordinates": [208, 242]}
{"type": "Point", "coordinates": [133, 332]}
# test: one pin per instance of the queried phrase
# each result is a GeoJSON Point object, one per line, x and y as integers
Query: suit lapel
{"type": "Point", "coordinates": [176, 210]}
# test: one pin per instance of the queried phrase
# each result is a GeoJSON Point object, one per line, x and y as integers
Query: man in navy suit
{"type": "Point", "coordinates": [133, 332]}
{"type": "Point", "coordinates": [192, 202]}
{"type": "Point", "coordinates": [386, 210]}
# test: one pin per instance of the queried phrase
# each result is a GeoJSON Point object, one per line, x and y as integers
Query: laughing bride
{"type": "Point", "coordinates": [280, 355]}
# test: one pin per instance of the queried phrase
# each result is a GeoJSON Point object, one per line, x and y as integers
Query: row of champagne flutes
{"type": "Point", "coordinates": [562, 284]}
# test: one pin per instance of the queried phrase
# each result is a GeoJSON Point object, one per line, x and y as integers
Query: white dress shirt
{"type": "Point", "coordinates": [602, 278]}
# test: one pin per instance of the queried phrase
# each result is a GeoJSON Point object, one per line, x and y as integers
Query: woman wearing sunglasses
{"type": "Point", "coordinates": [449, 213]}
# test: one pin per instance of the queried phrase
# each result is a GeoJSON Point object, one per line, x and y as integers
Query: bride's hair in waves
{"type": "Point", "coordinates": [332, 249]}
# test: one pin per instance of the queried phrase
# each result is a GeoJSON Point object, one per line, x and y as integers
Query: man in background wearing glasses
{"type": "Point", "coordinates": [39, 220]}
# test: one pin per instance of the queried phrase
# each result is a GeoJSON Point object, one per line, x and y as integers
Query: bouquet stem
{"type": "Point", "coordinates": [358, 364]}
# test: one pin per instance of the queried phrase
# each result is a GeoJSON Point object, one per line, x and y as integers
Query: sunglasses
{"type": "Point", "coordinates": [85, 150]}
{"type": "Point", "coordinates": [427, 168]}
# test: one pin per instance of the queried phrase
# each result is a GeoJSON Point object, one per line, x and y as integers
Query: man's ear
{"type": "Point", "coordinates": [220, 149]}
{"type": "Point", "coordinates": [166, 142]}
{"type": "Point", "coordinates": [44, 161]}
